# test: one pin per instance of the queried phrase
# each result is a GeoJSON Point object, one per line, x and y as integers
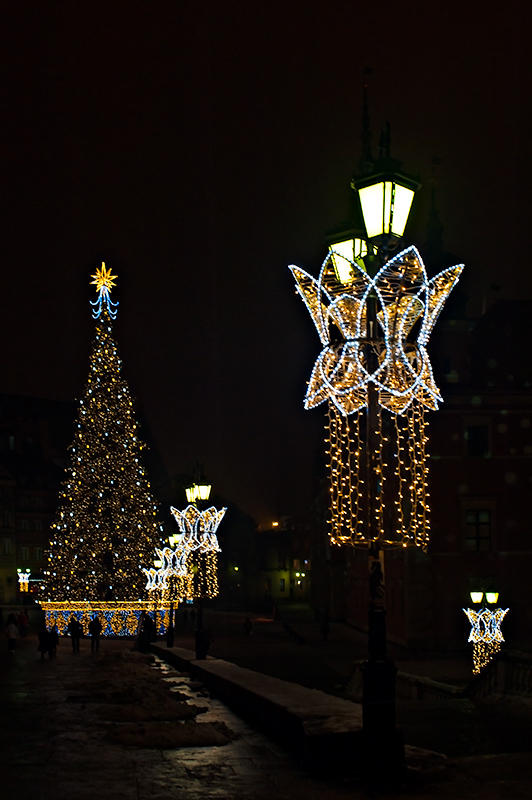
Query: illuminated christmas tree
{"type": "Point", "coordinates": [106, 523]}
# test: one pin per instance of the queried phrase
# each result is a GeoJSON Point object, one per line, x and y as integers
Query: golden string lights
{"type": "Point", "coordinates": [117, 618]}
{"type": "Point", "coordinates": [386, 356]}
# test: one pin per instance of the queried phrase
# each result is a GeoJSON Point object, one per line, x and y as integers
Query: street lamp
{"type": "Point", "coordinates": [198, 529]}
{"type": "Point", "coordinates": [374, 313]}
{"type": "Point", "coordinates": [198, 492]}
{"type": "Point", "coordinates": [385, 200]}
{"type": "Point", "coordinates": [23, 580]}
{"type": "Point", "coordinates": [485, 635]}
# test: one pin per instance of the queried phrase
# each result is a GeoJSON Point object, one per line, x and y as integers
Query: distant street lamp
{"type": "Point", "coordinates": [485, 635]}
{"type": "Point", "coordinates": [374, 312]}
{"type": "Point", "coordinates": [198, 492]}
{"type": "Point", "coordinates": [23, 580]}
{"type": "Point", "coordinates": [201, 527]}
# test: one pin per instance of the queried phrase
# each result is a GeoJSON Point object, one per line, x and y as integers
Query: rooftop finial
{"type": "Point", "coordinates": [385, 141]}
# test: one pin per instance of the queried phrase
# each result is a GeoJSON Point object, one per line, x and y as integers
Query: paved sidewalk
{"type": "Point", "coordinates": [59, 739]}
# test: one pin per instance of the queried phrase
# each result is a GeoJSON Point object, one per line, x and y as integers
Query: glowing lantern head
{"type": "Point", "coordinates": [343, 253]}
{"type": "Point", "coordinates": [198, 492]}
{"type": "Point", "coordinates": [476, 597]}
{"type": "Point", "coordinates": [385, 200]}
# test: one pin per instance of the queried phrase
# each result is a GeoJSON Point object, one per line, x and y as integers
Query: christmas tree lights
{"type": "Point", "coordinates": [387, 357]}
{"type": "Point", "coordinates": [107, 518]}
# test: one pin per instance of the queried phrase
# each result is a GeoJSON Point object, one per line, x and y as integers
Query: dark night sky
{"type": "Point", "coordinates": [200, 148]}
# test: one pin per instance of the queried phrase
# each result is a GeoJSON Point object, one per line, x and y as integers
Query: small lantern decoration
{"type": "Point", "coordinates": [486, 634]}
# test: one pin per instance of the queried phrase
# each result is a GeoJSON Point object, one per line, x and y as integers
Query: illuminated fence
{"type": "Point", "coordinates": [118, 619]}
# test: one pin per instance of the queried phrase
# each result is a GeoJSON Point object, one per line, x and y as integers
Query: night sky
{"type": "Point", "coordinates": [200, 148]}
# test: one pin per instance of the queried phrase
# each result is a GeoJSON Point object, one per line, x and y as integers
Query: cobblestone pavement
{"type": "Point", "coordinates": [56, 744]}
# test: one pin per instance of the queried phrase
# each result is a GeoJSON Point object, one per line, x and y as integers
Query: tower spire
{"type": "Point", "coordinates": [366, 158]}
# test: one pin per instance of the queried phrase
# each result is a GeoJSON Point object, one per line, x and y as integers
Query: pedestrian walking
{"type": "Point", "coordinates": [12, 633]}
{"type": "Point", "coordinates": [248, 627]}
{"type": "Point", "coordinates": [43, 645]}
{"type": "Point", "coordinates": [95, 629]}
{"type": "Point", "coordinates": [75, 630]}
{"type": "Point", "coordinates": [146, 632]}
{"type": "Point", "coordinates": [53, 641]}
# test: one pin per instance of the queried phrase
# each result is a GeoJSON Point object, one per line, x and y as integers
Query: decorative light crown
{"type": "Point", "coordinates": [197, 533]}
{"type": "Point", "coordinates": [405, 297]}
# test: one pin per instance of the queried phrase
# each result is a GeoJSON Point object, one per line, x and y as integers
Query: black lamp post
{"type": "Point", "coordinates": [197, 493]}
{"type": "Point", "coordinates": [385, 201]}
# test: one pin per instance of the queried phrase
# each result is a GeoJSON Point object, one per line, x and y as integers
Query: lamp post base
{"type": "Point", "coordinates": [384, 753]}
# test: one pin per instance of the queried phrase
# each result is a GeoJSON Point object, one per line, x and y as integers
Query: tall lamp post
{"type": "Point", "coordinates": [374, 312]}
{"type": "Point", "coordinates": [198, 493]}
{"type": "Point", "coordinates": [200, 527]}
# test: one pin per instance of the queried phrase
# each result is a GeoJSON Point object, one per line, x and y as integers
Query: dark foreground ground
{"type": "Point", "coordinates": [106, 726]}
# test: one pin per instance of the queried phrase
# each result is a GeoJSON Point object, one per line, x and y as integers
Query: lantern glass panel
{"type": "Point", "coordinates": [372, 202]}
{"type": "Point", "coordinates": [401, 209]}
{"type": "Point", "coordinates": [203, 491]}
{"type": "Point", "coordinates": [342, 256]}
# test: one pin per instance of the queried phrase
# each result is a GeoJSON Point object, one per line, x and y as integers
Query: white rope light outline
{"type": "Point", "coordinates": [340, 374]}
{"type": "Point", "coordinates": [197, 532]}
{"type": "Point", "coordinates": [485, 624]}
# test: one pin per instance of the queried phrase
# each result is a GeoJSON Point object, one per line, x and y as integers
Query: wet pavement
{"type": "Point", "coordinates": [53, 747]}
{"type": "Point", "coordinates": [84, 726]}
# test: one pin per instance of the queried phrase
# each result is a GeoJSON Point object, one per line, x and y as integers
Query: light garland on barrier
{"type": "Point", "coordinates": [117, 618]}
{"type": "Point", "coordinates": [485, 634]}
{"type": "Point", "coordinates": [408, 305]}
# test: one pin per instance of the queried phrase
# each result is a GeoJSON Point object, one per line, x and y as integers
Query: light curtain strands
{"type": "Point", "coordinates": [400, 461]}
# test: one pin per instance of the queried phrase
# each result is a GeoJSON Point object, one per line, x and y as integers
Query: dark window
{"type": "Point", "coordinates": [477, 529]}
{"type": "Point", "coordinates": [282, 584]}
{"type": "Point", "coordinates": [477, 441]}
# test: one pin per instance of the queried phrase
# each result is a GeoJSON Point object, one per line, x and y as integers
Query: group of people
{"type": "Point", "coordinates": [49, 639]}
